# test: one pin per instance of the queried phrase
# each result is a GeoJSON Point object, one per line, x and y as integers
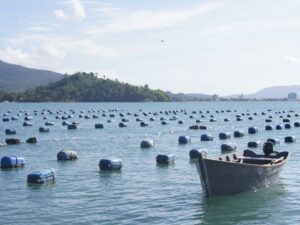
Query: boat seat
{"type": "Point", "coordinates": [227, 158]}
{"type": "Point", "coordinates": [220, 158]}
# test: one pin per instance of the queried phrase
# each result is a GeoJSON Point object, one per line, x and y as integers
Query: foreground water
{"type": "Point", "coordinates": [142, 193]}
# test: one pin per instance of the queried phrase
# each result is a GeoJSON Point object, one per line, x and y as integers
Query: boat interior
{"type": "Point", "coordinates": [250, 157]}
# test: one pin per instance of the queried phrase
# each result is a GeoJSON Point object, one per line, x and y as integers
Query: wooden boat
{"type": "Point", "coordinates": [233, 174]}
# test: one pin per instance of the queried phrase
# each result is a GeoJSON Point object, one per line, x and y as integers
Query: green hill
{"type": "Point", "coordinates": [19, 78]}
{"type": "Point", "coordinates": [84, 87]}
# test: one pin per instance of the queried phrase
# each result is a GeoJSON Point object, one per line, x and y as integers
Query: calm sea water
{"type": "Point", "coordinates": [142, 193]}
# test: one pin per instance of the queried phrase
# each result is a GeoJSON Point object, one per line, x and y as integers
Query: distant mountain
{"type": "Point", "coordinates": [87, 87]}
{"type": "Point", "coordinates": [275, 92]}
{"type": "Point", "coordinates": [18, 78]}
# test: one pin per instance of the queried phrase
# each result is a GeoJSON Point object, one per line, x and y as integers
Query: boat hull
{"type": "Point", "coordinates": [221, 178]}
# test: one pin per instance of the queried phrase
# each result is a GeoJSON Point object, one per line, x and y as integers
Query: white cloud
{"type": "Point", "coordinates": [123, 20]}
{"type": "Point", "coordinates": [76, 12]}
{"type": "Point", "coordinates": [292, 59]}
{"type": "Point", "coordinates": [15, 55]}
{"type": "Point", "coordinates": [60, 14]}
{"type": "Point", "coordinates": [78, 9]}
{"type": "Point", "coordinates": [49, 51]}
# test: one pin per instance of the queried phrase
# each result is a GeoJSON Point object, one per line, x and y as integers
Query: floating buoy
{"type": "Point", "coordinates": [27, 118]}
{"type": "Point", "coordinates": [286, 120]}
{"type": "Point", "coordinates": [122, 124]}
{"type": "Point", "coordinates": [42, 176]}
{"type": "Point", "coordinates": [165, 159]}
{"type": "Point", "coordinates": [164, 123]}
{"type": "Point", "coordinates": [143, 124]}
{"type": "Point", "coordinates": [10, 131]}
{"type": "Point", "coordinates": [253, 144]}
{"type": "Point", "coordinates": [194, 153]}
{"type": "Point", "coordinates": [110, 164]}
{"type": "Point", "coordinates": [184, 139]}
{"type": "Point", "coordinates": [72, 127]}
{"type": "Point", "coordinates": [49, 124]}
{"type": "Point", "coordinates": [44, 129]}
{"type": "Point", "coordinates": [238, 134]}
{"type": "Point", "coordinates": [228, 147]}
{"type": "Point", "coordinates": [12, 162]}
{"type": "Point", "coordinates": [226, 120]}
{"type": "Point", "coordinates": [269, 127]}
{"type": "Point", "coordinates": [252, 130]}
{"type": "Point", "coordinates": [12, 141]}
{"type": "Point", "coordinates": [66, 123]}
{"type": "Point", "coordinates": [148, 143]}
{"type": "Point", "coordinates": [27, 124]}
{"type": "Point", "coordinates": [67, 155]}
{"type": "Point", "coordinates": [279, 127]}
{"type": "Point", "coordinates": [194, 127]}
{"type": "Point", "coordinates": [287, 126]}
{"type": "Point", "coordinates": [297, 124]}
{"type": "Point", "coordinates": [206, 137]}
{"type": "Point", "coordinates": [99, 126]}
{"type": "Point", "coordinates": [289, 139]}
{"type": "Point", "coordinates": [202, 127]}
{"type": "Point", "coordinates": [31, 140]}
{"type": "Point", "coordinates": [224, 136]}
{"type": "Point", "coordinates": [5, 119]}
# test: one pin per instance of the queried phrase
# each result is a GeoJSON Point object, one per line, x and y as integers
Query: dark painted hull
{"type": "Point", "coordinates": [221, 178]}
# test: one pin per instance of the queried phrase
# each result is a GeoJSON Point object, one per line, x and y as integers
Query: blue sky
{"type": "Point", "coordinates": [219, 46]}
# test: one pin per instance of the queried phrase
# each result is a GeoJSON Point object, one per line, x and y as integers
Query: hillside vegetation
{"type": "Point", "coordinates": [87, 87]}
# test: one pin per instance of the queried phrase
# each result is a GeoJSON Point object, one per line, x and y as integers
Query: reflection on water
{"type": "Point", "coordinates": [244, 208]}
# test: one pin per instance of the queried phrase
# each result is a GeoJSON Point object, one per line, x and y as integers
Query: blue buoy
{"type": "Point", "coordinates": [228, 147]}
{"type": "Point", "coordinates": [99, 126]}
{"type": "Point", "coordinates": [67, 155]}
{"type": "Point", "coordinates": [27, 124]}
{"type": "Point", "coordinates": [194, 127]}
{"type": "Point", "coordinates": [31, 140]}
{"type": "Point", "coordinates": [12, 162]}
{"type": "Point", "coordinates": [110, 164]}
{"type": "Point", "coordinates": [10, 131]}
{"type": "Point", "coordinates": [287, 126]}
{"type": "Point", "coordinates": [289, 139]}
{"type": "Point", "coordinates": [184, 139]}
{"type": "Point", "coordinates": [72, 127]}
{"type": "Point", "coordinates": [269, 127]}
{"type": "Point", "coordinates": [238, 134]}
{"type": "Point", "coordinates": [122, 124]}
{"type": "Point", "coordinates": [253, 144]}
{"type": "Point", "coordinates": [42, 176]}
{"type": "Point", "coordinates": [165, 159]}
{"type": "Point", "coordinates": [206, 137]}
{"type": "Point", "coordinates": [252, 130]}
{"type": "Point", "coordinates": [12, 141]}
{"type": "Point", "coordinates": [148, 143]}
{"type": "Point", "coordinates": [194, 153]}
{"type": "Point", "coordinates": [224, 136]}
{"type": "Point", "coordinates": [44, 129]}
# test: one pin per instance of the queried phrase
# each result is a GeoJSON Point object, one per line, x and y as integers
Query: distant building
{"type": "Point", "coordinates": [292, 96]}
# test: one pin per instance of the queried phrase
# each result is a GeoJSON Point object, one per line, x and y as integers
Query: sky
{"type": "Point", "coordinates": [218, 46]}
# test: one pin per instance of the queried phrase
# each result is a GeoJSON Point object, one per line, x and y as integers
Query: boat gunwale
{"type": "Point", "coordinates": [249, 164]}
